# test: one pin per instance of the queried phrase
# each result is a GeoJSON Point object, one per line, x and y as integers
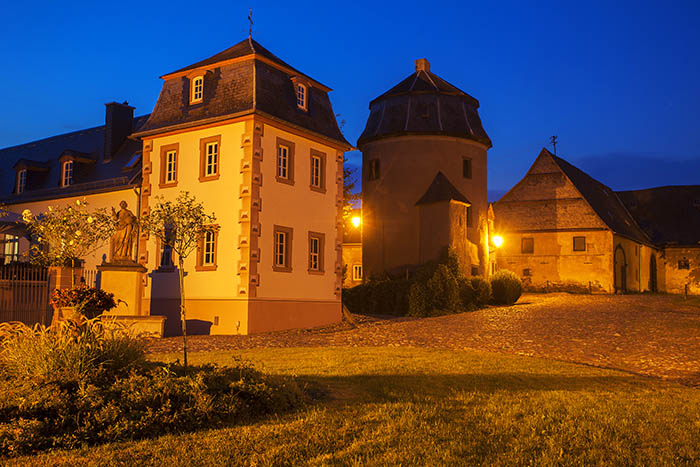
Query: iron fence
{"type": "Point", "coordinates": [24, 293]}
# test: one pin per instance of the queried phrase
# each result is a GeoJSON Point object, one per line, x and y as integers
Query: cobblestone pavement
{"type": "Point", "coordinates": [655, 335]}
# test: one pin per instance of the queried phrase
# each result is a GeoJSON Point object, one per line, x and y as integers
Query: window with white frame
{"type": "Point", "coordinates": [67, 173]}
{"type": "Point", "coordinates": [316, 166]}
{"type": "Point", "coordinates": [10, 249]}
{"type": "Point", "coordinates": [209, 258]}
{"type": "Point", "coordinates": [301, 96]}
{"type": "Point", "coordinates": [356, 272]}
{"type": "Point", "coordinates": [21, 180]}
{"type": "Point", "coordinates": [282, 249]}
{"type": "Point", "coordinates": [212, 158]}
{"type": "Point", "coordinates": [283, 162]}
{"type": "Point", "coordinates": [314, 253]}
{"type": "Point", "coordinates": [170, 166]}
{"type": "Point", "coordinates": [197, 90]}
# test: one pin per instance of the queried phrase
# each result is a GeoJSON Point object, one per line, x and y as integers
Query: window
{"type": "Point", "coordinates": [318, 171]}
{"type": "Point", "coordinates": [197, 90]}
{"type": "Point", "coordinates": [21, 180]}
{"type": "Point", "coordinates": [301, 96]}
{"type": "Point", "coordinates": [284, 172]}
{"type": "Point", "coordinates": [282, 249]}
{"type": "Point", "coordinates": [67, 173]}
{"type": "Point", "coordinates": [527, 245]}
{"type": "Point", "coordinates": [9, 249]}
{"type": "Point", "coordinates": [168, 165]}
{"type": "Point", "coordinates": [579, 243]}
{"type": "Point", "coordinates": [209, 149]}
{"type": "Point", "coordinates": [470, 223]}
{"type": "Point", "coordinates": [356, 272]}
{"type": "Point", "coordinates": [373, 170]}
{"type": "Point", "coordinates": [683, 263]}
{"type": "Point", "coordinates": [466, 167]}
{"type": "Point", "coordinates": [206, 252]}
{"type": "Point", "coordinates": [316, 244]}
{"type": "Point", "coordinates": [475, 271]}
{"type": "Point", "coordinates": [527, 272]}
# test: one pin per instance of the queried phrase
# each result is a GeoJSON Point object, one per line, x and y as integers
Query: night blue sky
{"type": "Point", "coordinates": [617, 82]}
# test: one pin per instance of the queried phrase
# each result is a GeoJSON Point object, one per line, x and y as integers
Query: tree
{"type": "Point", "coordinates": [349, 196]}
{"type": "Point", "coordinates": [179, 225]}
{"type": "Point", "coordinates": [64, 235]}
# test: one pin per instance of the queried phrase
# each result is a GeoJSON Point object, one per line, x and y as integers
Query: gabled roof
{"type": "Point", "coordinates": [602, 200]}
{"type": "Point", "coordinates": [44, 154]}
{"type": "Point", "coordinates": [442, 190]}
{"type": "Point", "coordinates": [670, 215]}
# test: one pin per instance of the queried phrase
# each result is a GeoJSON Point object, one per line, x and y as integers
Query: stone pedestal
{"type": "Point", "coordinates": [125, 281]}
{"type": "Point", "coordinates": [61, 277]}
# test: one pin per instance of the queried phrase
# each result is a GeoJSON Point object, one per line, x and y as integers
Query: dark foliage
{"type": "Point", "coordinates": [506, 287]}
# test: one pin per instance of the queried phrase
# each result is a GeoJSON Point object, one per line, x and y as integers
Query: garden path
{"type": "Point", "coordinates": [654, 335]}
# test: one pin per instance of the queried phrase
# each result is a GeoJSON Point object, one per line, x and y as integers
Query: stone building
{"type": "Point", "coordinates": [352, 249]}
{"type": "Point", "coordinates": [257, 142]}
{"type": "Point", "coordinates": [424, 177]}
{"type": "Point", "coordinates": [565, 230]}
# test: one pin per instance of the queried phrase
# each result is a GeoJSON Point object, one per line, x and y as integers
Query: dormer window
{"type": "Point", "coordinates": [197, 91]}
{"type": "Point", "coordinates": [21, 180]}
{"type": "Point", "coordinates": [302, 96]}
{"type": "Point", "coordinates": [67, 173]}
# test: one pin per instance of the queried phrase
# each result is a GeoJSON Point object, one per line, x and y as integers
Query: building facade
{"type": "Point", "coordinates": [257, 142]}
{"type": "Point", "coordinates": [564, 230]}
{"type": "Point", "coordinates": [424, 185]}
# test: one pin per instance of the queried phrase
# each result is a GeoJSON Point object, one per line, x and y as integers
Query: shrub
{"type": "Point", "coordinates": [96, 388]}
{"type": "Point", "coordinates": [89, 301]}
{"type": "Point", "coordinates": [506, 287]}
{"type": "Point", "coordinates": [74, 351]}
{"type": "Point", "coordinates": [439, 295]}
{"type": "Point", "coordinates": [378, 297]}
{"type": "Point", "coordinates": [482, 291]}
{"type": "Point", "coordinates": [467, 294]}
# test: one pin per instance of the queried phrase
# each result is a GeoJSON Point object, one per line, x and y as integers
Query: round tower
{"type": "Point", "coordinates": [423, 177]}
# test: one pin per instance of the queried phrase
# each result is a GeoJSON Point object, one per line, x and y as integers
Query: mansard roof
{"type": "Point", "coordinates": [41, 157]}
{"type": "Point", "coordinates": [603, 200]}
{"type": "Point", "coordinates": [424, 104]}
{"type": "Point", "coordinates": [241, 80]}
{"type": "Point", "coordinates": [441, 189]}
{"type": "Point", "coordinates": [670, 215]}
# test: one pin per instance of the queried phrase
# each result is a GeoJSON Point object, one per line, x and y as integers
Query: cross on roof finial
{"type": "Point", "coordinates": [250, 18]}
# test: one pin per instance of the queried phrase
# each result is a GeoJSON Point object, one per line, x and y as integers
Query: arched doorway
{"type": "Point", "coordinates": [620, 270]}
{"type": "Point", "coordinates": [653, 286]}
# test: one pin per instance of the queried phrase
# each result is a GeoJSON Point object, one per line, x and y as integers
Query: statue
{"type": "Point", "coordinates": [123, 238]}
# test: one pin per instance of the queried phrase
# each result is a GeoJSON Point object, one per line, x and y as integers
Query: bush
{"type": "Point", "coordinates": [378, 297]}
{"type": "Point", "coordinates": [506, 287]}
{"type": "Point", "coordinates": [70, 402]}
{"type": "Point", "coordinates": [482, 291]}
{"type": "Point", "coordinates": [439, 295]}
{"type": "Point", "coordinates": [89, 301]}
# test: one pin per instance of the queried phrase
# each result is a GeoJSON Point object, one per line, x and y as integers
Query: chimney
{"type": "Point", "coordinates": [119, 124]}
{"type": "Point", "coordinates": [422, 64]}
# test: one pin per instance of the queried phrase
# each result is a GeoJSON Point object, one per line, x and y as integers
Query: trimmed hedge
{"type": "Point", "coordinates": [506, 287]}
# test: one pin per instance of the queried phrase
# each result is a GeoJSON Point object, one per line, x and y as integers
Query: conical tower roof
{"type": "Point", "coordinates": [424, 104]}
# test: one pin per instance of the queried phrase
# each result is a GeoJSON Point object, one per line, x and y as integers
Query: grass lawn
{"type": "Point", "coordinates": [417, 406]}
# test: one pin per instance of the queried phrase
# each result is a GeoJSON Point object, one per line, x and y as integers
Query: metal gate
{"type": "Point", "coordinates": [24, 294]}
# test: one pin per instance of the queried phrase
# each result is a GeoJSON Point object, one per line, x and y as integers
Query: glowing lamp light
{"type": "Point", "coordinates": [356, 221]}
{"type": "Point", "coordinates": [497, 241]}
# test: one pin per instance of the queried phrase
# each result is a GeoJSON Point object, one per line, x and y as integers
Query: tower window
{"type": "Point", "coordinates": [197, 93]}
{"type": "Point", "coordinates": [67, 173]}
{"type": "Point", "coordinates": [470, 222]}
{"type": "Point", "coordinates": [21, 180]}
{"type": "Point", "coordinates": [302, 97]}
{"type": "Point", "coordinates": [373, 170]}
{"type": "Point", "coordinates": [579, 243]}
{"type": "Point", "coordinates": [683, 263]}
{"type": "Point", "coordinates": [527, 245]}
{"type": "Point", "coordinates": [466, 167]}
